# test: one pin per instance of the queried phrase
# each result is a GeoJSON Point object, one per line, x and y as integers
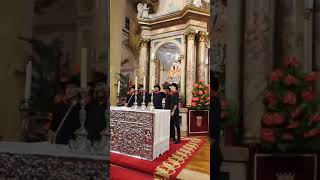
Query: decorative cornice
{"type": "Point", "coordinates": [189, 12]}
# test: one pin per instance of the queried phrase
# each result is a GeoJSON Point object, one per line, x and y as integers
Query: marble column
{"type": "Point", "coordinates": [317, 40]}
{"type": "Point", "coordinates": [191, 65]}
{"type": "Point", "coordinates": [258, 63]}
{"type": "Point", "coordinates": [233, 54]}
{"type": "Point", "coordinates": [201, 55]}
{"type": "Point", "coordinates": [117, 11]}
{"type": "Point", "coordinates": [143, 59]}
{"type": "Point", "coordinates": [152, 71]}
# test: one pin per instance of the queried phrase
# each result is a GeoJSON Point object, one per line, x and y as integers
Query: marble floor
{"type": "Point", "coordinates": [199, 166]}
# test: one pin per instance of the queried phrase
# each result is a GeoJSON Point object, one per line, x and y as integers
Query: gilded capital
{"type": "Point", "coordinates": [190, 34]}
{"type": "Point", "coordinates": [144, 42]}
{"type": "Point", "coordinates": [202, 36]}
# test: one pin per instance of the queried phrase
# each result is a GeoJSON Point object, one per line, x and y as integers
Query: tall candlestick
{"type": "Point", "coordinates": [144, 82]}
{"type": "Point", "coordinates": [118, 87]}
{"type": "Point", "coordinates": [84, 57]}
{"type": "Point", "coordinates": [136, 83]}
{"type": "Point", "coordinates": [27, 92]}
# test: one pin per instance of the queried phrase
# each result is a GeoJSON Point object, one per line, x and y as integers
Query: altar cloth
{"type": "Point", "coordinates": [140, 134]}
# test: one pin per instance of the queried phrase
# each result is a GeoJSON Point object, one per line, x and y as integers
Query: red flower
{"type": "Point", "coordinates": [200, 92]}
{"type": "Point", "coordinates": [293, 125]}
{"type": "Point", "coordinates": [201, 81]}
{"type": "Point", "coordinates": [208, 98]}
{"type": "Point", "coordinates": [290, 98]}
{"type": "Point", "coordinates": [201, 101]}
{"type": "Point", "coordinates": [272, 119]}
{"type": "Point", "coordinates": [277, 119]}
{"type": "Point", "coordinates": [268, 135]}
{"type": "Point", "coordinates": [193, 104]}
{"type": "Point", "coordinates": [195, 99]}
{"type": "Point", "coordinates": [311, 133]}
{"type": "Point", "coordinates": [207, 103]}
{"type": "Point", "coordinates": [267, 119]}
{"type": "Point", "coordinates": [296, 112]}
{"type": "Point", "coordinates": [276, 75]}
{"type": "Point", "coordinates": [290, 62]}
{"type": "Point", "coordinates": [287, 137]}
{"type": "Point", "coordinates": [199, 104]}
{"type": "Point", "coordinates": [315, 117]}
{"type": "Point", "coordinates": [206, 91]}
{"type": "Point", "coordinates": [290, 80]}
{"type": "Point", "coordinates": [271, 97]}
{"type": "Point", "coordinates": [195, 85]}
{"type": "Point", "coordinates": [194, 92]}
{"type": "Point", "coordinates": [313, 76]}
{"type": "Point", "coordinates": [207, 85]}
{"type": "Point", "coordinates": [200, 86]}
{"type": "Point", "coordinates": [308, 96]}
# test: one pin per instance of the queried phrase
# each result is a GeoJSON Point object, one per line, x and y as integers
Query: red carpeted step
{"type": "Point", "coordinates": [169, 164]}
{"type": "Point", "coordinates": [119, 173]}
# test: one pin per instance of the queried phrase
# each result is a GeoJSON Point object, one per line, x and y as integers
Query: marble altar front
{"type": "Point", "coordinates": [141, 134]}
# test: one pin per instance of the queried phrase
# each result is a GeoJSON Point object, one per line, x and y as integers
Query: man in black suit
{"type": "Point", "coordinates": [65, 116]}
{"type": "Point", "coordinates": [96, 120]}
{"type": "Point", "coordinates": [174, 107]}
{"type": "Point", "coordinates": [158, 96]}
{"type": "Point", "coordinates": [130, 96]}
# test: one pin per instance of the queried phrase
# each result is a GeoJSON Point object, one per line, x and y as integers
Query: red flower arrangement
{"type": "Point", "coordinates": [201, 96]}
{"type": "Point", "coordinates": [291, 119]}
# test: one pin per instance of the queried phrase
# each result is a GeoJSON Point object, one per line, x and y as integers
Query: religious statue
{"type": "Point", "coordinates": [143, 11]}
{"type": "Point", "coordinates": [197, 3]}
{"type": "Point", "coordinates": [175, 72]}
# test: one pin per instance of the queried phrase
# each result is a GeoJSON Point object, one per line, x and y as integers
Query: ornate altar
{"type": "Point", "coordinates": [174, 44]}
{"type": "Point", "coordinates": [141, 134]}
{"type": "Point", "coordinates": [48, 161]}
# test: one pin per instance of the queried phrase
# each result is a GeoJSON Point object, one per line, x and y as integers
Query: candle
{"type": "Point", "coordinates": [84, 56]}
{"type": "Point", "coordinates": [144, 82]}
{"type": "Point", "coordinates": [118, 87]}
{"type": "Point", "coordinates": [136, 83]}
{"type": "Point", "coordinates": [27, 92]}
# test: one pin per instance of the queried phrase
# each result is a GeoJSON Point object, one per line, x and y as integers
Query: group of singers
{"type": "Point", "coordinates": [171, 96]}
{"type": "Point", "coordinates": [65, 113]}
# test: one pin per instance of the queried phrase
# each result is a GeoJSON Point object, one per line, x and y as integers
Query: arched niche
{"type": "Point", "coordinates": [168, 64]}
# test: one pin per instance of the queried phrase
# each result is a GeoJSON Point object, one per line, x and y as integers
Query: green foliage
{"type": "Point", "coordinates": [45, 78]}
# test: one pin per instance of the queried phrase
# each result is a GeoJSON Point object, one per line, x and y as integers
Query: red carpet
{"type": "Point", "coordinates": [119, 173]}
{"type": "Point", "coordinates": [169, 165]}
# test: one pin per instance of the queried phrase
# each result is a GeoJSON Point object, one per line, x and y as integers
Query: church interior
{"type": "Point", "coordinates": [237, 81]}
